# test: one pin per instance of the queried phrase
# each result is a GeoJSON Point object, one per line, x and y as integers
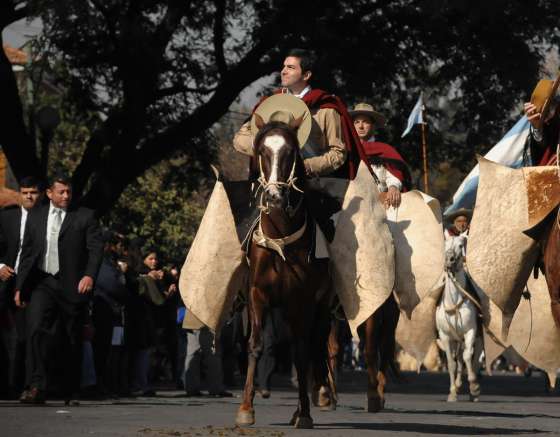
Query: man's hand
{"type": "Point", "coordinates": [393, 197]}
{"type": "Point", "coordinates": [86, 285]}
{"type": "Point", "coordinates": [532, 114]}
{"type": "Point", "coordinates": [171, 290]}
{"type": "Point", "coordinates": [6, 272]}
{"type": "Point", "coordinates": [17, 299]}
{"type": "Point", "coordinates": [156, 275]}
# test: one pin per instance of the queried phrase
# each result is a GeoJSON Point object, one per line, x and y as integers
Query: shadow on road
{"type": "Point", "coordinates": [426, 428]}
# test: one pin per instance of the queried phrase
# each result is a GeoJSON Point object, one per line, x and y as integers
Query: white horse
{"type": "Point", "coordinates": [456, 320]}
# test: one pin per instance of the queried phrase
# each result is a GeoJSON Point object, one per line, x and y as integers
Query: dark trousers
{"type": "Point", "coordinates": [21, 362]}
{"type": "Point", "coordinates": [5, 364]}
{"type": "Point", "coordinates": [49, 302]}
{"type": "Point", "coordinates": [103, 323]}
{"type": "Point", "coordinates": [111, 361]}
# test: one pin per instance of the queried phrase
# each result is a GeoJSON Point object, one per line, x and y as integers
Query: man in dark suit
{"type": "Point", "coordinates": [61, 254]}
{"type": "Point", "coordinates": [12, 227]}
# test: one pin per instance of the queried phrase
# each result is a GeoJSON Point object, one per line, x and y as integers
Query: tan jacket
{"type": "Point", "coordinates": [323, 153]}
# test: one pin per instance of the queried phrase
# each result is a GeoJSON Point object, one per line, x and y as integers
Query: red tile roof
{"type": "Point", "coordinates": [15, 56]}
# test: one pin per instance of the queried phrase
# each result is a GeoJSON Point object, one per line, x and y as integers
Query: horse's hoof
{"type": "Point", "coordinates": [452, 397]}
{"type": "Point", "coordinates": [473, 398]}
{"type": "Point", "coordinates": [474, 389]}
{"type": "Point", "coordinates": [293, 419]}
{"type": "Point", "coordinates": [324, 398]}
{"type": "Point", "coordinates": [331, 406]}
{"type": "Point", "coordinates": [304, 423]}
{"type": "Point", "coordinates": [245, 417]}
{"type": "Point", "coordinates": [375, 405]}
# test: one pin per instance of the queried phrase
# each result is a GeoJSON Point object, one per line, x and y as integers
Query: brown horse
{"type": "Point", "coordinates": [551, 253]}
{"type": "Point", "coordinates": [283, 270]}
{"type": "Point", "coordinates": [378, 335]}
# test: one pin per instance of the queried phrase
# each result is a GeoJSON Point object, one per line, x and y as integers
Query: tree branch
{"type": "Point", "coordinates": [124, 164]}
{"type": "Point", "coordinates": [219, 36]}
{"type": "Point", "coordinates": [176, 10]}
{"type": "Point", "coordinates": [110, 22]}
{"type": "Point", "coordinates": [176, 89]}
{"type": "Point", "coordinates": [9, 13]}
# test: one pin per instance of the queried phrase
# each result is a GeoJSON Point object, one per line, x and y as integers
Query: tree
{"type": "Point", "coordinates": [161, 210]}
{"type": "Point", "coordinates": [162, 73]}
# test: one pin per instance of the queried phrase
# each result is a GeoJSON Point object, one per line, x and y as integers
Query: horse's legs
{"type": "Point", "coordinates": [246, 412]}
{"type": "Point", "coordinates": [333, 348]}
{"type": "Point", "coordinates": [301, 346]}
{"type": "Point", "coordinates": [375, 399]}
{"type": "Point", "coordinates": [459, 373]}
{"type": "Point", "coordinates": [468, 354]}
{"type": "Point", "coordinates": [451, 366]}
{"type": "Point", "coordinates": [325, 348]}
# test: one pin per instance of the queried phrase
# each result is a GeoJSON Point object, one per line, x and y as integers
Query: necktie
{"type": "Point", "coordinates": [52, 256]}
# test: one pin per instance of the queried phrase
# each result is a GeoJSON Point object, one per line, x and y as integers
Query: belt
{"type": "Point", "coordinates": [45, 275]}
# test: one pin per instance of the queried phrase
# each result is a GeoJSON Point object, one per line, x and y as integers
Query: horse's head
{"type": "Point", "coordinates": [454, 252]}
{"type": "Point", "coordinates": [277, 154]}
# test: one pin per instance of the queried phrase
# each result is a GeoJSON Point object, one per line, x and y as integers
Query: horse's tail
{"type": "Point", "coordinates": [387, 347]}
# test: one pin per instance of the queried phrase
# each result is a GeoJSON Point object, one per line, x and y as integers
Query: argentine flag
{"type": "Point", "coordinates": [415, 116]}
{"type": "Point", "coordinates": [508, 151]}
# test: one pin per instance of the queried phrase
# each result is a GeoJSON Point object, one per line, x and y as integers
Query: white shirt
{"type": "Point", "coordinates": [301, 94]}
{"type": "Point", "coordinates": [50, 221]}
{"type": "Point", "coordinates": [21, 235]}
{"type": "Point", "coordinates": [386, 178]}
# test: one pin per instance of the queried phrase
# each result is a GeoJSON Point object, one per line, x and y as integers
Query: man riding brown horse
{"type": "Point", "coordinates": [543, 112]}
{"type": "Point", "coordinates": [333, 144]}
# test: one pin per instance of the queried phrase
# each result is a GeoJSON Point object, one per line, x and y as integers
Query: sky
{"type": "Point", "coordinates": [19, 32]}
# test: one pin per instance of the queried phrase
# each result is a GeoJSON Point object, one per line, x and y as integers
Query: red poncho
{"type": "Point", "coordinates": [392, 160]}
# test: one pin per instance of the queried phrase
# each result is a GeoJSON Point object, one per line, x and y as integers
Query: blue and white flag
{"type": "Point", "coordinates": [415, 116]}
{"type": "Point", "coordinates": [508, 151]}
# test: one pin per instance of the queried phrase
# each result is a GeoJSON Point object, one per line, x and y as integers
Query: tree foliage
{"type": "Point", "coordinates": [161, 73]}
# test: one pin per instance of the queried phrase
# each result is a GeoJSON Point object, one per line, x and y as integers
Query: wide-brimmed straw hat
{"type": "Point", "coordinates": [454, 214]}
{"type": "Point", "coordinates": [543, 95]}
{"type": "Point", "coordinates": [368, 110]}
{"type": "Point", "coordinates": [284, 108]}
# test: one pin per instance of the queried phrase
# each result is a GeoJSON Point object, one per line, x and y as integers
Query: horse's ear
{"type": "Point", "coordinates": [296, 123]}
{"type": "Point", "coordinates": [259, 122]}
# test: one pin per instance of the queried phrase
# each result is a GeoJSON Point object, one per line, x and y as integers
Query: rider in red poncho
{"type": "Point", "coordinates": [388, 165]}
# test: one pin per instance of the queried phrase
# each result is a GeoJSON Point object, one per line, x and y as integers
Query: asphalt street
{"type": "Point", "coordinates": [509, 405]}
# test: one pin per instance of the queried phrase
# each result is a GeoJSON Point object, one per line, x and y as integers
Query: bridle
{"type": "Point", "coordinates": [290, 184]}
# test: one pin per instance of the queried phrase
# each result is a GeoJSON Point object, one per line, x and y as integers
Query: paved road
{"type": "Point", "coordinates": [510, 405]}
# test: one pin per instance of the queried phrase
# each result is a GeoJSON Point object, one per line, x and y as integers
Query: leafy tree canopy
{"type": "Point", "coordinates": [160, 74]}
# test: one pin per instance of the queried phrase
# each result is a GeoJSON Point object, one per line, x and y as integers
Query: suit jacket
{"type": "Point", "coordinates": [10, 222]}
{"type": "Point", "coordinates": [80, 251]}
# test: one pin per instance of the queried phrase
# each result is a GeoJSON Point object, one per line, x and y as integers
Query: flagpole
{"type": "Point", "coordinates": [425, 152]}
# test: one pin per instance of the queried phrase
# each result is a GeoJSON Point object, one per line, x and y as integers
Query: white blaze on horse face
{"type": "Point", "coordinates": [274, 143]}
